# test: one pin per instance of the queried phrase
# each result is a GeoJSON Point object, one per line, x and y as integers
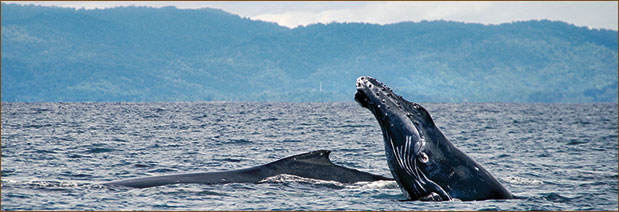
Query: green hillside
{"type": "Point", "coordinates": [169, 54]}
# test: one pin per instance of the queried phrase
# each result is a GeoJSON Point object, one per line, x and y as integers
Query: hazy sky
{"type": "Point", "coordinates": [291, 14]}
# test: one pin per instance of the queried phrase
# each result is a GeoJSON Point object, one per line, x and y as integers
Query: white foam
{"type": "Point", "coordinates": [521, 181]}
{"type": "Point", "coordinates": [293, 178]}
{"type": "Point", "coordinates": [45, 183]}
{"type": "Point", "coordinates": [381, 184]}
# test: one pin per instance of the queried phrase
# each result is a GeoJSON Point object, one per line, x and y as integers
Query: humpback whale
{"type": "Point", "coordinates": [315, 165]}
{"type": "Point", "coordinates": [425, 165]}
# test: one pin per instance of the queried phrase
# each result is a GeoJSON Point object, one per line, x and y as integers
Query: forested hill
{"type": "Point", "coordinates": [169, 54]}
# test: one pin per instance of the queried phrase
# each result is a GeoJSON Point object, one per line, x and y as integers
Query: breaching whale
{"type": "Point", "coordinates": [315, 165]}
{"type": "Point", "coordinates": [423, 162]}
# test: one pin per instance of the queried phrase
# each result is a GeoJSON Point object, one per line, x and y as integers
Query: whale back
{"type": "Point", "coordinates": [317, 165]}
{"type": "Point", "coordinates": [314, 165]}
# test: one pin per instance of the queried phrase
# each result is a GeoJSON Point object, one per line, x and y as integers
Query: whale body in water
{"type": "Point", "coordinates": [314, 165]}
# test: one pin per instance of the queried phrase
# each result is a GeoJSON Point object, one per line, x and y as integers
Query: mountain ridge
{"type": "Point", "coordinates": [168, 54]}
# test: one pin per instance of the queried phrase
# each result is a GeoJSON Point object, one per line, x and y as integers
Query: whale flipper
{"type": "Point", "coordinates": [315, 165]}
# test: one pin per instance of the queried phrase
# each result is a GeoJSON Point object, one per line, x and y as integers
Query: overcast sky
{"type": "Point", "coordinates": [291, 14]}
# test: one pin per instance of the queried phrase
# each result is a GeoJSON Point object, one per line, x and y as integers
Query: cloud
{"type": "Point", "coordinates": [292, 14]}
{"type": "Point", "coordinates": [592, 14]}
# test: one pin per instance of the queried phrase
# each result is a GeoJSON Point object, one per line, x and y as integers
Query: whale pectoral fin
{"type": "Point", "coordinates": [431, 197]}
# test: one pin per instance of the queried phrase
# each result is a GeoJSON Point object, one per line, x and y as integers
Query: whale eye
{"type": "Point", "coordinates": [423, 157]}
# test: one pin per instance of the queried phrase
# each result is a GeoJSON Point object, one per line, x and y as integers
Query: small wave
{"type": "Point", "coordinates": [576, 142]}
{"type": "Point", "coordinates": [186, 189]}
{"type": "Point", "coordinates": [210, 193]}
{"type": "Point", "coordinates": [120, 140]}
{"type": "Point", "coordinates": [37, 126]}
{"type": "Point", "coordinates": [140, 165]}
{"type": "Point", "coordinates": [287, 178]}
{"type": "Point", "coordinates": [199, 118]}
{"type": "Point", "coordinates": [269, 119]}
{"type": "Point", "coordinates": [381, 184]}
{"type": "Point", "coordinates": [291, 141]}
{"type": "Point", "coordinates": [354, 126]}
{"type": "Point", "coordinates": [166, 205]}
{"type": "Point", "coordinates": [44, 151]}
{"type": "Point", "coordinates": [521, 181]}
{"type": "Point", "coordinates": [78, 156]}
{"type": "Point", "coordinates": [491, 208]}
{"type": "Point", "coordinates": [503, 156]}
{"type": "Point", "coordinates": [65, 138]}
{"type": "Point", "coordinates": [555, 197]}
{"type": "Point", "coordinates": [389, 196]}
{"type": "Point", "coordinates": [77, 175]}
{"type": "Point", "coordinates": [39, 110]}
{"type": "Point", "coordinates": [237, 141]}
{"type": "Point", "coordinates": [53, 184]}
{"type": "Point", "coordinates": [544, 155]}
{"type": "Point", "coordinates": [7, 172]}
{"type": "Point", "coordinates": [228, 160]}
{"type": "Point", "coordinates": [100, 150]}
{"type": "Point", "coordinates": [46, 184]}
{"type": "Point", "coordinates": [162, 170]}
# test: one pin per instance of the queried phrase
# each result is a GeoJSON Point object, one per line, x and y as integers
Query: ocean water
{"type": "Point", "coordinates": [551, 156]}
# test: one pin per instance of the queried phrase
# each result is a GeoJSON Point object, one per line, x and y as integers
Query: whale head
{"type": "Point", "coordinates": [390, 108]}
{"type": "Point", "coordinates": [423, 162]}
{"type": "Point", "coordinates": [410, 137]}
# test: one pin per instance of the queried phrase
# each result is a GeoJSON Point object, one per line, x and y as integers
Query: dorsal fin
{"type": "Point", "coordinates": [319, 157]}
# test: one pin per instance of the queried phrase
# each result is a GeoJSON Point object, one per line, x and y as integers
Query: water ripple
{"type": "Point", "coordinates": [551, 156]}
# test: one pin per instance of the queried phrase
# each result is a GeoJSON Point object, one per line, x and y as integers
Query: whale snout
{"type": "Point", "coordinates": [366, 82]}
{"type": "Point", "coordinates": [362, 91]}
{"type": "Point", "coordinates": [376, 96]}
{"type": "Point", "coordinates": [361, 82]}
{"type": "Point", "coordinates": [361, 99]}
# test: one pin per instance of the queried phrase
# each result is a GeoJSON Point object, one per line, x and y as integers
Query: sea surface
{"type": "Point", "coordinates": [54, 155]}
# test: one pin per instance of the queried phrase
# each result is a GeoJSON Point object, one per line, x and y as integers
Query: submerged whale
{"type": "Point", "coordinates": [315, 165]}
{"type": "Point", "coordinates": [423, 162]}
